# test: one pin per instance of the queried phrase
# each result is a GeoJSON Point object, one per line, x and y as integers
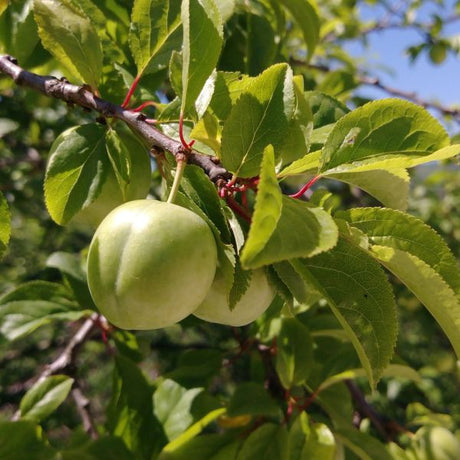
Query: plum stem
{"type": "Point", "coordinates": [131, 91]}
{"type": "Point", "coordinates": [305, 187]}
{"type": "Point", "coordinates": [181, 163]}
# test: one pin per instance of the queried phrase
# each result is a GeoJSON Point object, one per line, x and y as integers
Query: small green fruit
{"type": "Point", "coordinates": [150, 264]}
{"type": "Point", "coordinates": [254, 302]}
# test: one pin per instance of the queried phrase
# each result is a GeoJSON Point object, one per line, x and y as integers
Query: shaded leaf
{"type": "Point", "coordinates": [269, 442]}
{"type": "Point", "coordinates": [76, 171]}
{"type": "Point", "coordinates": [252, 399]}
{"type": "Point", "coordinates": [35, 304]}
{"type": "Point", "coordinates": [305, 14]}
{"type": "Point", "coordinates": [70, 36]}
{"type": "Point", "coordinates": [365, 446]}
{"type": "Point", "coordinates": [5, 224]}
{"type": "Point", "coordinates": [311, 442]}
{"type": "Point", "coordinates": [326, 109]}
{"type": "Point", "coordinates": [45, 397]}
{"type": "Point", "coordinates": [130, 414]}
{"type": "Point", "coordinates": [361, 297]}
{"type": "Point", "coordinates": [19, 439]}
{"type": "Point", "coordinates": [294, 357]}
{"type": "Point", "coordinates": [172, 407]}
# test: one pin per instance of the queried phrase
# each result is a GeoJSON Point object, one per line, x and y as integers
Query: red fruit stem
{"type": "Point", "coordinates": [131, 91]}
{"type": "Point", "coordinates": [235, 206]}
{"type": "Point", "coordinates": [144, 105]}
{"type": "Point", "coordinates": [305, 187]}
{"type": "Point", "coordinates": [187, 146]}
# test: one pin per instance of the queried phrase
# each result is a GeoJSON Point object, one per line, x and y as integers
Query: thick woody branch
{"type": "Point", "coordinates": [83, 97]}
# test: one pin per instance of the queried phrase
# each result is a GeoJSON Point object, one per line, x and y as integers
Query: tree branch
{"type": "Point", "coordinates": [82, 403]}
{"type": "Point", "coordinates": [83, 97]}
{"type": "Point", "coordinates": [376, 82]}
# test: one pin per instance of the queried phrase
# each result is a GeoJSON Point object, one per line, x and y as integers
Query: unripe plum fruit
{"type": "Point", "coordinates": [435, 443]}
{"type": "Point", "coordinates": [150, 264]}
{"type": "Point", "coordinates": [255, 301]}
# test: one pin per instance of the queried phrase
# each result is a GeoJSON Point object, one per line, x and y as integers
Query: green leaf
{"type": "Point", "coordinates": [269, 442]}
{"type": "Point", "coordinates": [106, 448]}
{"type": "Point", "coordinates": [305, 14]}
{"type": "Point", "coordinates": [70, 267]}
{"type": "Point", "coordinates": [419, 257]}
{"type": "Point", "coordinates": [202, 42]}
{"type": "Point", "coordinates": [361, 298]}
{"type": "Point", "coordinates": [172, 407]}
{"type": "Point", "coordinates": [302, 291]}
{"type": "Point", "coordinates": [35, 304]}
{"type": "Point", "coordinates": [430, 288]}
{"type": "Point", "coordinates": [199, 188]}
{"type": "Point", "coordinates": [196, 367]}
{"type": "Point", "coordinates": [300, 126]}
{"type": "Point", "coordinates": [130, 414]}
{"type": "Point", "coordinates": [260, 117]}
{"type": "Point", "coordinates": [71, 38]}
{"type": "Point", "coordinates": [389, 133]}
{"type": "Point", "coordinates": [267, 210]}
{"type": "Point", "coordinates": [302, 231]}
{"type": "Point", "coordinates": [227, 89]}
{"type": "Point", "coordinates": [183, 440]}
{"type": "Point", "coordinates": [365, 446]}
{"type": "Point", "coordinates": [326, 109]}
{"type": "Point", "coordinates": [119, 159]}
{"type": "Point", "coordinates": [221, 446]}
{"type": "Point", "coordinates": [294, 357]}
{"type": "Point", "coordinates": [76, 171]}
{"type": "Point", "coordinates": [315, 442]}
{"type": "Point", "coordinates": [390, 187]}
{"type": "Point", "coordinates": [155, 31]}
{"type": "Point", "coordinates": [208, 131]}
{"type": "Point", "coordinates": [18, 440]}
{"type": "Point", "coordinates": [5, 224]}
{"type": "Point", "coordinates": [394, 229]}
{"type": "Point", "coordinates": [45, 397]}
{"type": "Point", "coordinates": [307, 164]}
{"type": "Point", "coordinates": [252, 399]}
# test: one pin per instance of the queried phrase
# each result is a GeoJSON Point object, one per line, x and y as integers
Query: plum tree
{"type": "Point", "coordinates": [150, 264]}
{"type": "Point", "coordinates": [215, 307]}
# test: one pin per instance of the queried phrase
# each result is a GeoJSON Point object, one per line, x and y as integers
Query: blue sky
{"type": "Point", "coordinates": [387, 49]}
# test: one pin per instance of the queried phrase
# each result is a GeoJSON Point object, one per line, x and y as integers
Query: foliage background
{"type": "Point", "coordinates": [29, 123]}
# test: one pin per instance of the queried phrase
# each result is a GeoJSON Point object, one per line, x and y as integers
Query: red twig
{"type": "Point", "coordinates": [144, 105]}
{"type": "Point", "coordinates": [187, 146]}
{"type": "Point", "coordinates": [305, 187]}
{"type": "Point", "coordinates": [131, 91]}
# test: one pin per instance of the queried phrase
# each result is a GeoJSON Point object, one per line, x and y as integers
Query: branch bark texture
{"type": "Point", "coordinates": [83, 97]}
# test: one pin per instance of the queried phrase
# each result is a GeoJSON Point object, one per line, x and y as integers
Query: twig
{"type": "Point", "coordinates": [82, 403]}
{"type": "Point", "coordinates": [83, 97]}
{"type": "Point", "coordinates": [67, 356]}
{"type": "Point", "coordinates": [366, 409]}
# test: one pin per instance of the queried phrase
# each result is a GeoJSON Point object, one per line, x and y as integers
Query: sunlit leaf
{"type": "Point", "coordinates": [70, 36]}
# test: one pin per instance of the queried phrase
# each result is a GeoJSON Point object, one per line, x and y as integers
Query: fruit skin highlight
{"type": "Point", "coordinates": [150, 264]}
{"type": "Point", "coordinates": [255, 301]}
